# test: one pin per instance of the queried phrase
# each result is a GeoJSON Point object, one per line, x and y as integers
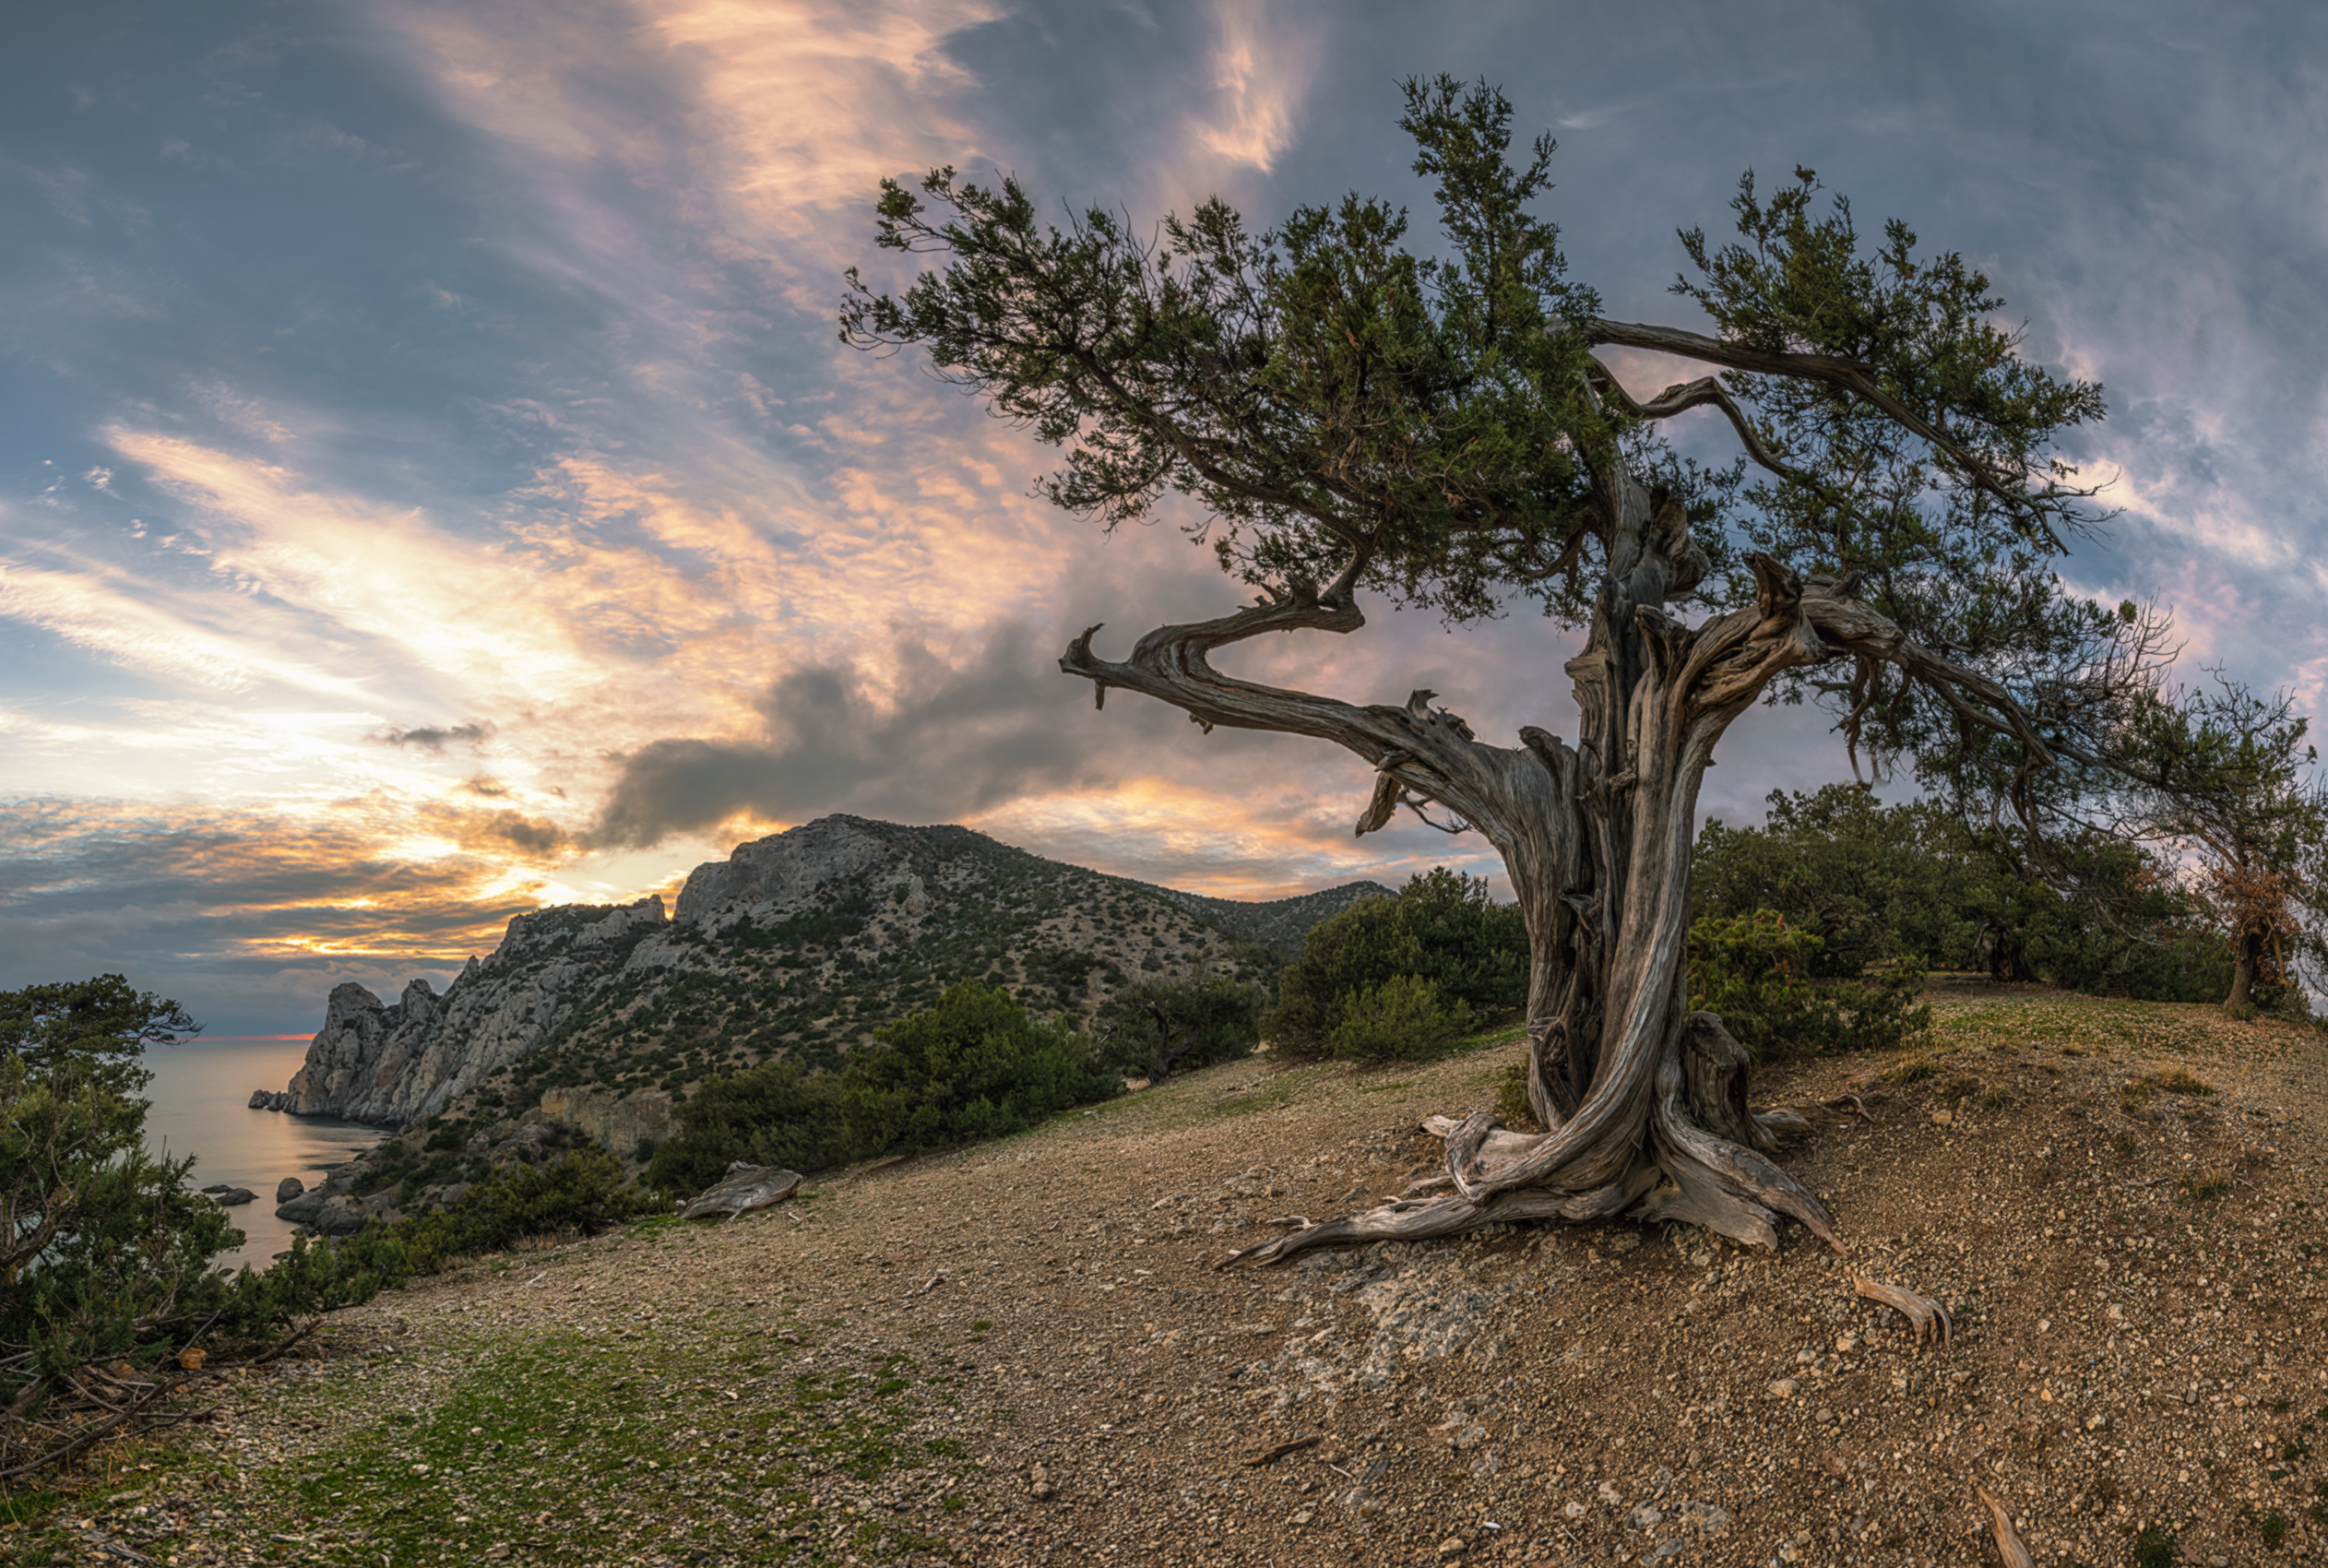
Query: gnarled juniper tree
{"type": "Point", "coordinates": [1354, 418]}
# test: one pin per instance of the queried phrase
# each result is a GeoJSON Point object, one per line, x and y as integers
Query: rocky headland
{"type": "Point", "coordinates": [590, 1022]}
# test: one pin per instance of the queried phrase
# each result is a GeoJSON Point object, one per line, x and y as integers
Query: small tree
{"type": "Point", "coordinates": [2228, 782]}
{"type": "Point", "coordinates": [1157, 1028]}
{"type": "Point", "coordinates": [1352, 418]}
{"type": "Point", "coordinates": [975, 1066]}
{"type": "Point", "coordinates": [1441, 928]}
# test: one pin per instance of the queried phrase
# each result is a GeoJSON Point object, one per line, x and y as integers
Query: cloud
{"type": "Point", "coordinates": [1262, 69]}
{"type": "Point", "coordinates": [473, 733]}
{"type": "Point", "coordinates": [947, 740]}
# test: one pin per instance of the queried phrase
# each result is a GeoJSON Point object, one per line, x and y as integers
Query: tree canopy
{"type": "Point", "coordinates": [1351, 410]}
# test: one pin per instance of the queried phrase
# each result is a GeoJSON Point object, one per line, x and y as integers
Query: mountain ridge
{"type": "Point", "coordinates": [802, 943]}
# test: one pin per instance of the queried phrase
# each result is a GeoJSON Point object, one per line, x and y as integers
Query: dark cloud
{"type": "Point", "coordinates": [435, 738]}
{"type": "Point", "coordinates": [947, 742]}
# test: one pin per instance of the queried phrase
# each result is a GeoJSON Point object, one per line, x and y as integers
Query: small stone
{"type": "Point", "coordinates": [1783, 1389]}
{"type": "Point", "coordinates": [1304, 1517]}
{"type": "Point", "coordinates": [1040, 1485]}
{"type": "Point", "coordinates": [1845, 1344]}
{"type": "Point", "coordinates": [289, 1188]}
{"type": "Point", "coordinates": [191, 1360]}
{"type": "Point", "coordinates": [1453, 1548]}
{"type": "Point", "coordinates": [1470, 1437]}
{"type": "Point", "coordinates": [1942, 1118]}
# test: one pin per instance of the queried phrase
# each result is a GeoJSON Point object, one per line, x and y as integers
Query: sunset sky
{"type": "Point", "coordinates": [431, 486]}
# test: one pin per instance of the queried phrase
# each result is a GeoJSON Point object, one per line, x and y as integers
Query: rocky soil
{"type": "Point", "coordinates": [1023, 1353]}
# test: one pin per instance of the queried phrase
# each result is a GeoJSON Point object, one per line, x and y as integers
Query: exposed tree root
{"type": "Point", "coordinates": [1696, 1159]}
{"type": "Point", "coordinates": [2009, 1545]}
{"type": "Point", "coordinates": [1929, 1319]}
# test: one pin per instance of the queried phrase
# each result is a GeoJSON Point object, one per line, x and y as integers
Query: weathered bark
{"type": "Point", "coordinates": [2246, 958]}
{"type": "Point", "coordinates": [1644, 1103]}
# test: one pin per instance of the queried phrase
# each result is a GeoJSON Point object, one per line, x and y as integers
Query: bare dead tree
{"type": "Point", "coordinates": [1353, 418]}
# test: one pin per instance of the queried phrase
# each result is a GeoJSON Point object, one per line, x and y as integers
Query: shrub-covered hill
{"type": "Point", "coordinates": [1280, 924]}
{"type": "Point", "coordinates": [812, 968]}
{"type": "Point", "coordinates": [800, 945]}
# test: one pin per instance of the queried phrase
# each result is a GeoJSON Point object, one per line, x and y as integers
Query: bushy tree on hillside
{"type": "Point", "coordinates": [2230, 782]}
{"type": "Point", "coordinates": [1443, 946]}
{"type": "Point", "coordinates": [976, 1066]}
{"type": "Point", "coordinates": [1157, 1028]}
{"type": "Point", "coordinates": [1874, 883]}
{"type": "Point", "coordinates": [780, 1112]}
{"type": "Point", "coordinates": [1439, 428]}
{"type": "Point", "coordinates": [1871, 882]}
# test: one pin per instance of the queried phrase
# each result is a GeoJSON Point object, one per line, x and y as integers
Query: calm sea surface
{"type": "Point", "coordinates": [198, 1093]}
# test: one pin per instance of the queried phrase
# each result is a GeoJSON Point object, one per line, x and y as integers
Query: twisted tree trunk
{"type": "Point", "coordinates": [1645, 1101]}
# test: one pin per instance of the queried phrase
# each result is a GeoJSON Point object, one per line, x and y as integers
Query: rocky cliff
{"type": "Point", "coordinates": [801, 943]}
{"type": "Point", "coordinates": [406, 1061]}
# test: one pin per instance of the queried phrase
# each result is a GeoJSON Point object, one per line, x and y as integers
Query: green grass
{"type": "Point", "coordinates": [580, 1449]}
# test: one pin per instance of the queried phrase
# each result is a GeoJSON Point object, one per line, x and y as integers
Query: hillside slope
{"type": "Point", "coordinates": [1023, 1354]}
{"type": "Point", "coordinates": [801, 943]}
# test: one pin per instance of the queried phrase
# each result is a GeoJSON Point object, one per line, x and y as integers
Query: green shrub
{"type": "Point", "coordinates": [1877, 883]}
{"type": "Point", "coordinates": [1401, 1019]}
{"type": "Point", "coordinates": [105, 1251]}
{"type": "Point", "coordinates": [976, 1066]}
{"type": "Point", "coordinates": [780, 1112]}
{"type": "Point", "coordinates": [1755, 972]}
{"type": "Point", "coordinates": [1511, 1098]}
{"type": "Point", "coordinates": [1151, 1029]}
{"type": "Point", "coordinates": [580, 1191]}
{"type": "Point", "coordinates": [1442, 928]}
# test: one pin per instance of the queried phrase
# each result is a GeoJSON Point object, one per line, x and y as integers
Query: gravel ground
{"type": "Point", "coordinates": [1023, 1353]}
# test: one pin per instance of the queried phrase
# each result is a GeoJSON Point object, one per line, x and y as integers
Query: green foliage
{"type": "Point", "coordinates": [1152, 1028]}
{"type": "Point", "coordinates": [97, 1028]}
{"type": "Point", "coordinates": [1353, 414]}
{"type": "Point", "coordinates": [1511, 1098]}
{"type": "Point", "coordinates": [1442, 928]}
{"type": "Point", "coordinates": [106, 1251]}
{"type": "Point", "coordinates": [1871, 882]}
{"type": "Point", "coordinates": [781, 1113]}
{"type": "Point", "coordinates": [976, 1066]}
{"type": "Point", "coordinates": [581, 1192]}
{"type": "Point", "coordinates": [1756, 973]}
{"type": "Point", "coordinates": [2228, 779]}
{"type": "Point", "coordinates": [1403, 1017]}
{"type": "Point", "coordinates": [1912, 883]}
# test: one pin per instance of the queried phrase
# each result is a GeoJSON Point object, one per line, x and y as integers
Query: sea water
{"type": "Point", "coordinates": [200, 1097]}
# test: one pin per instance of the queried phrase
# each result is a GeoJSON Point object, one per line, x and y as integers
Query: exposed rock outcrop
{"type": "Point", "coordinates": [621, 1125]}
{"type": "Point", "coordinates": [403, 1062]}
{"type": "Point", "coordinates": [744, 1189]}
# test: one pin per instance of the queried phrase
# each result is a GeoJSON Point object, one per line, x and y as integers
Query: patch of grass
{"type": "Point", "coordinates": [27, 1506]}
{"type": "Point", "coordinates": [1386, 1089]}
{"type": "Point", "coordinates": [587, 1450]}
{"type": "Point", "coordinates": [1914, 1069]}
{"type": "Point", "coordinates": [2180, 1081]}
{"type": "Point", "coordinates": [2206, 1187]}
{"type": "Point", "coordinates": [1276, 1092]}
{"type": "Point", "coordinates": [2155, 1548]}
